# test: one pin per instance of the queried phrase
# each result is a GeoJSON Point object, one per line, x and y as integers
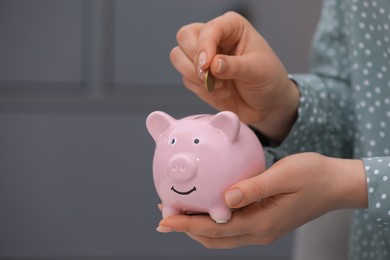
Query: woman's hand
{"type": "Point", "coordinates": [250, 79]}
{"type": "Point", "coordinates": [294, 191]}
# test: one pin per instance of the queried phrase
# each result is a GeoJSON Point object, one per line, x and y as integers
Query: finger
{"type": "Point", "coordinates": [196, 87]}
{"type": "Point", "coordinates": [187, 39]}
{"type": "Point", "coordinates": [267, 184]}
{"type": "Point", "coordinates": [240, 67]}
{"type": "Point", "coordinates": [203, 225]}
{"type": "Point", "coordinates": [222, 242]}
{"type": "Point", "coordinates": [252, 231]}
{"type": "Point", "coordinates": [183, 64]}
{"type": "Point", "coordinates": [224, 31]}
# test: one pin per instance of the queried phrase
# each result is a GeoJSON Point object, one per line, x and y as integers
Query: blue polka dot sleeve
{"type": "Point", "coordinates": [345, 109]}
{"type": "Point", "coordinates": [324, 120]}
{"type": "Point", "coordinates": [378, 181]}
{"type": "Point", "coordinates": [325, 114]}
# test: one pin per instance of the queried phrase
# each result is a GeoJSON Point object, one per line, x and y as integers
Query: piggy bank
{"type": "Point", "coordinates": [198, 157]}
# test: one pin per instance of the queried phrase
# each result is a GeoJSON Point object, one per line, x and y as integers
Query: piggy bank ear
{"type": "Point", "coordinates": [228, 123]}
{"type": "Point", "coordinates": [157, 122]}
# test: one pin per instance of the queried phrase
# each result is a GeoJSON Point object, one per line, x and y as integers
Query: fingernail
{"type": "Point", "coordinates": [201, 73]}
{"type": "Point", "coordinates": [202, 59]}
{"type": "Point", "coordinates": [201, 62]}
{"type": "Point", "coordinates": [221, 66]}
{"type": "Point", "coordinates": [233, 197]}
{"type": "Point", "coordinates": [163, 229]}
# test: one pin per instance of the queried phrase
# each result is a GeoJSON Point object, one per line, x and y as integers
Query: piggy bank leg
{"type": "Point", "coordinates": [168, 211]}
{"type": "Point", "coordinates": [221, 214]}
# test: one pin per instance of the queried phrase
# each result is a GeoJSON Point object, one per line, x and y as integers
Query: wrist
{"type": "Point", "coordinates": [350, 183]}
{"type": "Point", "coordinates": [279, 121]}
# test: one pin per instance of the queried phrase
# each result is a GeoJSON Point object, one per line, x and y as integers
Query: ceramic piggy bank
{"type": "Point", "coordinates": [198, 157]}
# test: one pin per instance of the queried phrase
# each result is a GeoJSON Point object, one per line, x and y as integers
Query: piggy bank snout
{"type": "Point", "coordinates": [182, 168]}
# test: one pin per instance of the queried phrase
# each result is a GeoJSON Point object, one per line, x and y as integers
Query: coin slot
{"type": "Point", "coordinates": [199, 116]}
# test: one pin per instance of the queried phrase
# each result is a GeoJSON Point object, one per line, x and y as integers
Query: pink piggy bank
{"type": "Point", "coordinates": [198, 157]}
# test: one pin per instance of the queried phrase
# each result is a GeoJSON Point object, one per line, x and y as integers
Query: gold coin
{"type": "Point", "coordinates": [209, 81]}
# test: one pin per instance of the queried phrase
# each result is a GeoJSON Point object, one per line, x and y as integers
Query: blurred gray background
{"type": "Point", "coordinates": [77, 80]}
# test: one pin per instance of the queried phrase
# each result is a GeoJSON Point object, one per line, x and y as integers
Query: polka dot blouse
{"type": "Point", "coordinates": [345, 109]}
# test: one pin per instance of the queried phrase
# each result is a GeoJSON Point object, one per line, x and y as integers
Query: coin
{"type": "Point", "coordinates": [209, 81]}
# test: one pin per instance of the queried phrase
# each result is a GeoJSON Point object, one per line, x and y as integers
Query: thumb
{"type": "Point", "coordinates": [235, 67]}
{"type": "Point", "coordinates": [250, 190]}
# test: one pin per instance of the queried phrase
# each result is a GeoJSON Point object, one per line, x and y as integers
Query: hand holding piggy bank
{"type": "Point", "coordinates": [198, 157]}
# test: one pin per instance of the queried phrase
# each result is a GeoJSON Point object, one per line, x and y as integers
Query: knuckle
{"type": "Point", "coordinates": [259, 189]}
{"type": "Point", "coordinates": [193, 54]}
{"type": "Point", "coordinates": [182, 32]}
{"type": "Point", "coordinates": [173, 53]}
{"type": "Point", "coordinates": [233, 14]}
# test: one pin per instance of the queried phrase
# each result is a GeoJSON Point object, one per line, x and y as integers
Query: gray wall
{"type": "Point", "coordinates": [77, 80]}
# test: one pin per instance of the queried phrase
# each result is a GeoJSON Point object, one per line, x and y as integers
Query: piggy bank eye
{"type": "Point", "coordinates": [172, 141]}
{"type": "Point", "coordinates": [196, 141]}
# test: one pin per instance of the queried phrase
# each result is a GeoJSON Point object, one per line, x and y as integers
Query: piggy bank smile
{"type": "Point", "coordinates": [184, 192]}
